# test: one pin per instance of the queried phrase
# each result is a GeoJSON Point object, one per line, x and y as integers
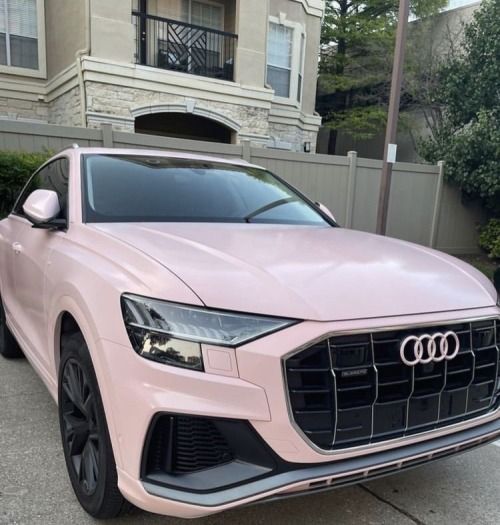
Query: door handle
{"type": "Point", "coordinates": [17, 247]}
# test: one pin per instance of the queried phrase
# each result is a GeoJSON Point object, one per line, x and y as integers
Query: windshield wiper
{"type": "Point", "coordinates": [268, 207]}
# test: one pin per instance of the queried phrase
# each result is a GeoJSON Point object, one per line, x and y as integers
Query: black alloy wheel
{"type": "Point", "coordinates": [80, 425]}
{"type": "Point", "coordinates": [85, 437]}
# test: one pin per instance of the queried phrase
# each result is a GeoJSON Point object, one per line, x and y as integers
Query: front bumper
{"type": "Point", "coordinates": [302, 478]}
{"type": "Point", "coordinates": [295, 478]}
{"type": "Point", "coordinates": [252, 390]}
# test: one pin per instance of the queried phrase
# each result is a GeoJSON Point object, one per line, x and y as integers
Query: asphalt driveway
{"type": "Point", "coordinates": [34, 487]}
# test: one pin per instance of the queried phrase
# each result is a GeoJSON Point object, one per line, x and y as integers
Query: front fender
{"type": "Point", "coordinates": [75, 305]}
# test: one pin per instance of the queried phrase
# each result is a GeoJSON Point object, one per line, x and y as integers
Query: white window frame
{"type": "Point", "coordinates": [41, 72]}
{"type": "Point", "coordinates": [298, 33]}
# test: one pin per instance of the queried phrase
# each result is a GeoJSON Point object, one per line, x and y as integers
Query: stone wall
{"type": "Point", "coordinates": [117, 105]}
{"type": "Point", "coordinates": [66, 110]}
{"type": "Point", "coordinates": [120, 102]}
{"type": "Point", "coordinates": [63, 110]}
{"type": "Point", "coordinates": [19, 109]}
{"type": "Point", "coordinates": [286, 136]}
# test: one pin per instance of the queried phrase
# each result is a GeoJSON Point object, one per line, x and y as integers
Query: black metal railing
{"type": "Point", "coordinates": [178, 46]}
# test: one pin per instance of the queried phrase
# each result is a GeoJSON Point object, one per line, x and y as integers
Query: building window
{"type": "Point", "coordinates": [19, 34]}
{"type": "Point", "coordinates": [286, 47]}
{"type": "Point", "coordinates": [206, 14]}
{"type": "Point", "coordinates": [279, 58]}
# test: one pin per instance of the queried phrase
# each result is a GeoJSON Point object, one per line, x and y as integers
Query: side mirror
{"type": "Point", "coordinates": [325, 210]}
{"type": "Point", "coordinates": [42, 206]}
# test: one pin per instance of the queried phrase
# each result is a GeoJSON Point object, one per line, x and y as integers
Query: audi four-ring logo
{"type": "Point", "coordinates": [429, 348]}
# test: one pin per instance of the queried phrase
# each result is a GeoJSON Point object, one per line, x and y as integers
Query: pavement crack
{"type": "Point", "coordinates": [394, 506]}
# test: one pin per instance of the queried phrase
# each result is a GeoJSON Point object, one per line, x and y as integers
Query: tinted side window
{"type": "Point", "coordinates": [55, 177]}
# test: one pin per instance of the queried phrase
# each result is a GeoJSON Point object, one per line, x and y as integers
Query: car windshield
{"type": "Point", "coordinates": [132, 188]}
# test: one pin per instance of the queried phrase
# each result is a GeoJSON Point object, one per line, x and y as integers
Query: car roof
{"type": "Point", "coordinates": [160, 153]}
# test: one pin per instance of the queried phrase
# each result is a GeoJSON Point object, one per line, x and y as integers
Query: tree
{"type": "Point", "coordinates": [467, 135]}
{"type": "Point", "coordinates": [357, 43]}
{"type": "Point", "coordinates": [432, 41]}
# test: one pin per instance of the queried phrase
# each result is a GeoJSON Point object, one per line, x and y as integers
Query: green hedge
{"type": "Point", "coordinates": [15, 169]}
{"type": "Point", "coordinates": [489, 238]}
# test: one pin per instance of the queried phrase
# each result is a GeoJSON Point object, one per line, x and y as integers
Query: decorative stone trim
{"type": "Point", "coordinates": [175, 83]}
{"type": "Point", "coordinates": [282, 114]}
{"type": "Point", "coordinates": [158, 108]}
{"type": "Point", "coordinates": [188, 107]}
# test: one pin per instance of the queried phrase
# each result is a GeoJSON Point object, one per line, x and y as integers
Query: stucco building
{"type": "Point", "coordinates": [223, 70]}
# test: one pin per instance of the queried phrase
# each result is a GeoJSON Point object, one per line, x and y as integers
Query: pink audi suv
{"type": "Point", "coordinates": [213, 338]}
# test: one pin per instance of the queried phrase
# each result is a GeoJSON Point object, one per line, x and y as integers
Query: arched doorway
{"type": "Point", "coordinates": [184, 126]}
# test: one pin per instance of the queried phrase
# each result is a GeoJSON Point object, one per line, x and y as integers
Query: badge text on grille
{"type": "Point", "coordinates": [355, 373]}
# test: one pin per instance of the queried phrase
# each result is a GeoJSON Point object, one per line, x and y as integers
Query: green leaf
{"type": "Point", "coordinates": [467, 136]}
{"type": "Point", "coordinates": [15, 170]}
{"type": "Point", "coordinates": [357, 42]}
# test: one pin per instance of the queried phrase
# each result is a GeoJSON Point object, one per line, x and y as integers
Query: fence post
{"type": "Point", "coordinates": [247, 152]}
{"type": "Point", "coordinates": [107, 135]}
{"type": "Point", "coordinates": [437, 205]}
{"type": "Point", "coordinates": [351, 185]}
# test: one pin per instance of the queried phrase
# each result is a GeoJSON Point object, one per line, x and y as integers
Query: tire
{"type": "Point", "coordinates": [8, 345]}
{"type": "Point", "coordinates": [84, 431]}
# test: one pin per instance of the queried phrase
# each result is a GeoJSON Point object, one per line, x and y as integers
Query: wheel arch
{"type": "Point", "coordinates": [67, 314]}
{"type": "Point", "coordinates": [67, 324]}
{"type": "Point", "coordinates": [67, 317]}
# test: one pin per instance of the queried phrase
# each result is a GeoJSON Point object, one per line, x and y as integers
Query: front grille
{"type": "Point", "coordinates": [352, 390]}
{"type": "Point", "coordinates": [182, 444]}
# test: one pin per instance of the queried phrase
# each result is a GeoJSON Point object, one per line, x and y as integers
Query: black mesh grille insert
{"type": "Point", "coordinates": [180, 444]}
{"type": "Point", "coordinates": [354, 390]}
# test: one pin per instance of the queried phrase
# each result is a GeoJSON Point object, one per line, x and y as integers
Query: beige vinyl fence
{"type": "Point", "coordinates": [423, 208]}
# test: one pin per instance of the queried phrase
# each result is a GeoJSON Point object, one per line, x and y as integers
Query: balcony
{"type": "Point", "coordinates": [179, 46]}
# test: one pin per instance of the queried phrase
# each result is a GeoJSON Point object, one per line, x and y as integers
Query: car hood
{"type": "Point", "coordinates": [307, 272]}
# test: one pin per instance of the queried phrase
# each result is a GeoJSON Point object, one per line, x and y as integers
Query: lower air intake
{"type": "Point", "coordinates": [183, 444]}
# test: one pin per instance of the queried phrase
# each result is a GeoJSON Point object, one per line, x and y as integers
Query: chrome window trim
{"type": "Point", "coordinates": [396, 442]}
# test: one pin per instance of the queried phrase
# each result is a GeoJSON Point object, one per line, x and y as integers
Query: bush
{"type": "Point", "coordinates": [489, 239]}
{"type": "Point", "coordinates": [466, 135]}
{"type": "Point", "coordinates": [15, 170]}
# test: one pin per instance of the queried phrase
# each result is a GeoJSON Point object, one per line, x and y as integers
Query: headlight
{"type": "Point", "coordinates": [172, 333]}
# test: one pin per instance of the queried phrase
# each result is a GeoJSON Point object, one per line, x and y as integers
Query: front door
{"type": "Point", "coordinates": [29, 256]}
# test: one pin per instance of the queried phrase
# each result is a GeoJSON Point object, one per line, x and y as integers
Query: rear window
{"type": "Point", "coordinates": [129, 188]}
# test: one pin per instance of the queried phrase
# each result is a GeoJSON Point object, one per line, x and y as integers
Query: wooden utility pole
{"type": "Point", "coordinates": [392, 117]}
